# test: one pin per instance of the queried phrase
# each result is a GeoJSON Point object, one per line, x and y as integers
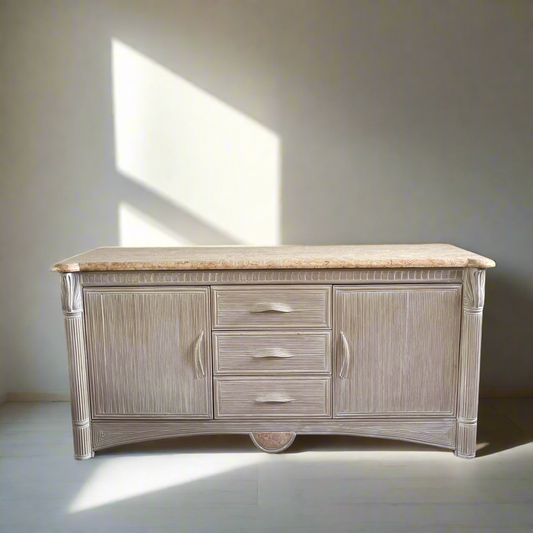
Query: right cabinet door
{"type": "Point", "coordinates": [396, 350]}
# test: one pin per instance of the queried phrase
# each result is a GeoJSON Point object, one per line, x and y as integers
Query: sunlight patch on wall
{"type": "Point", "coordinates": [195, 150]}
{"type": "Point", "coordinates": [138, 229]}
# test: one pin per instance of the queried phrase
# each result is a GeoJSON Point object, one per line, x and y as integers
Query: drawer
{"type": "Point", "coordinates": [271, 352]}
{"type": "Point", "coordinates": [272, 397]}
{"type": "Point", "coordinates": [271, 307]}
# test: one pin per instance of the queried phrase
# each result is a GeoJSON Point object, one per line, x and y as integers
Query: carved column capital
{"type": "Point", "coordinates": [474, 290]}
{"type": "Point", "coordinates": [71, 294]}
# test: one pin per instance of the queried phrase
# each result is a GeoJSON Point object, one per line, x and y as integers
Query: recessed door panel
{"type": "Point", "coordinates": [396, 350]}
{"type": "Point", "coordinates": [149, 352]}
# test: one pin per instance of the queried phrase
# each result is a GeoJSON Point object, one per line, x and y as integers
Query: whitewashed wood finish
{"type": "Point", "coordinates": [144, 347]}
{"type": "Point", "coordinates": [437, 432]}
{"type": "Point", "coordinates": [402, 343]}
{"type": "Point", "coordinates": [271, 307]}
{"type": "Point", "coordinates": [470, 355]}
{"type": "Point", "coordinates": [271, 352]}
{"type": "Point", "coordinates": [273, 441]}
{"type": "Point", "coordinates": [272, 397]}
{"type": "Point", "coordinates": [397, 335]}
{"type": "Point", "coordinates": [72, 304]}
{"type": "Point", "coordinates": [278, 277]}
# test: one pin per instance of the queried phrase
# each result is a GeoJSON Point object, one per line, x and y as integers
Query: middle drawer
{"type": "Point", "coordinates": [271, 352]}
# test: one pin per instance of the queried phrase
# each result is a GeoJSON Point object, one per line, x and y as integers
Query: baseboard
{"type": "Point", "coordinates": [37, 397]}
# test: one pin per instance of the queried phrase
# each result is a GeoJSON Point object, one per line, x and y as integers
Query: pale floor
{"type": "Point", "coordinates": [224, 484]}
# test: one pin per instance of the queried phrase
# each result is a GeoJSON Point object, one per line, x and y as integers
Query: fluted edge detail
{"type": "Point", "coordinates": [387, 275]}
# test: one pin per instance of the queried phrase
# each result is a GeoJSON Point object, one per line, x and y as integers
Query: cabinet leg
{"type": "Point", "coordinates": [466, 440]}
{"type": "Point", "coordinates": [273, 442]}
{"type": "Point", "coordinates": [82, 441]}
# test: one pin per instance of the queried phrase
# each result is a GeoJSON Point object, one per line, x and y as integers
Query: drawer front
{"type": "Point", "coordinates": [271, 352]}
{"type": "Point", "coordinates": [271, 307]}
{"type": "Point", "coordinates": [279, 397]}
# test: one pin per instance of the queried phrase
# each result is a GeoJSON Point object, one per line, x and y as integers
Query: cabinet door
{"type": "Point", "coordinates": [396, 350]}
{"type": "Point", "coordinates": [149, 352]}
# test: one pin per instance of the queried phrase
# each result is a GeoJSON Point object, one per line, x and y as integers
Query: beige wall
{"type": "Point", "coordinates": [397, 122]}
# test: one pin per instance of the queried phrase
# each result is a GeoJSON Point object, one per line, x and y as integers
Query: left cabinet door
{"type": "Point", "coordinates": [149, 352]}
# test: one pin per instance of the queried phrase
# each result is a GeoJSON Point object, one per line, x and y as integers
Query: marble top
{"type": "Point", "coordinates": [273, 257]}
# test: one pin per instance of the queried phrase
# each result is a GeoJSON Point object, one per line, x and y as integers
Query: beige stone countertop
{"type": "Point", "coordinates": [109, 258]}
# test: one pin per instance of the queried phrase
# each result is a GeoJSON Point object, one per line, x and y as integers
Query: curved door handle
{"type": "Point", "coordinates": [272, 307]}
{"type": "Point", "coordinates": [345, 366]}
{"type": "Point", "coordinates": [198, 363]}
{"type": "Point", "coordinates": [276, 353]}
{"type": "Point", "coordinates": [273, 399]}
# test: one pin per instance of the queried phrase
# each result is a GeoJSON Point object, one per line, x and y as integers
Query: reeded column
{"type": "Point", "coordinates": [72, 303]}
{"type": "Point", "coordinates": [469, 361]}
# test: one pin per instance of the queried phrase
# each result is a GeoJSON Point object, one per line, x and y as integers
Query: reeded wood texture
{"type": "Point", "coordinates": [72, 303]}
{"type": "Point", "coordinates": [77, 366]}
{"type": "Point", "coordinates": [470, 366]}
{"type": "Point", "coordinates": [271, 352]}
{"type": "Point", "coordinates": [470, 355]}
{"type": "Point", "coordinates": [141, 345]}
{"type": "Point", "coordinates": [82, 436]}
{"type": "Point", "coordinates": [271, 307]}
{"type": "Point", "coordinates": [269, 397]}
{"type": "Point", "coordinates": [435, 431]}
{"type": "Point", "coordinates": [254, 277]}
{"type": "Point", "coordinates": [403, 343]}
{"type": "Point", "coordinates": [466, 440]}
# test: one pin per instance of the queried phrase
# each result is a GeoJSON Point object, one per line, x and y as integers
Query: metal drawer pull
{"type": "Point", "coordinates": [198, 363]}
{"type": "Point", "coordinates": [345, 367]}
{"type": "Point", "coordinates": [274, 399]}
{"type": "Point", "coordinates": [276, 354]}
{"type": "Point", "coordinates": [272, 308]}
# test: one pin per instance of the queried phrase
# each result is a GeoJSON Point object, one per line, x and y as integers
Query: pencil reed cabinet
{"type": "Point", "coordinates": [375, 340]}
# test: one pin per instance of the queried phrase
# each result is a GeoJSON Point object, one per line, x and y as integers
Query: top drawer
{"type": "Point", "coordinates": [271, 307]}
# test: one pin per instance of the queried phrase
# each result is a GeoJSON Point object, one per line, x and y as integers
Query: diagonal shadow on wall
{"type": "Point", "coordinates": [170, 215]}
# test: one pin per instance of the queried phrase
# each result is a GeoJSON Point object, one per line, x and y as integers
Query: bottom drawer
{"type": "Point", "coordinates": [280, 397]}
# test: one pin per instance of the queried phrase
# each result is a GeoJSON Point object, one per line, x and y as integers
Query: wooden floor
{"type": "Point", "coordinates": [224, 484]}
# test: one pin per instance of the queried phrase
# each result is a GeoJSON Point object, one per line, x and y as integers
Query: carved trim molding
{"type": "Point", "coordinates": [426, 431]}
{"type": "Point", "coordinates": [210, 277]}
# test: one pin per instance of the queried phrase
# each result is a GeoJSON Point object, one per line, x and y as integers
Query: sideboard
{"type": "Point", "coordinates": [273, 342]}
